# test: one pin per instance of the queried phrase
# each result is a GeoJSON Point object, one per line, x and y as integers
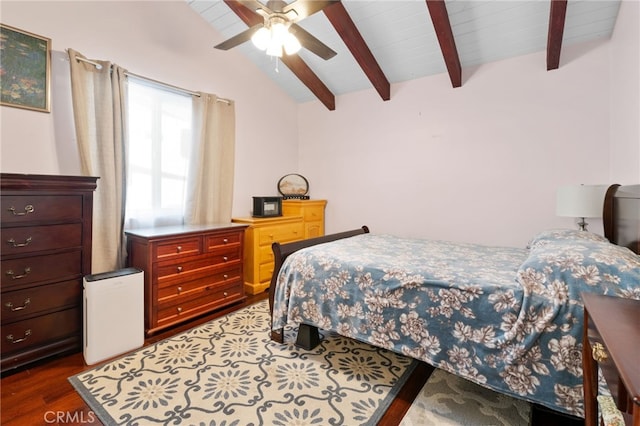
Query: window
{"type": "Point", "coordinates": [159, 138]}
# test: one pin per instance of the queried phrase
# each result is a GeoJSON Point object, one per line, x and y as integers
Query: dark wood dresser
{"type": "Point", "coordinates": [611, 341]}
{"type": "Point", "coordinates": [46, 225]}
{"type": "Point", "coordinates": [188, 270]}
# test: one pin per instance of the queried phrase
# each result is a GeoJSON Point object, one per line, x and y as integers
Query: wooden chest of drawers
{"type": "Point", "coordinates": [301, 219]}
{"type": "Point", "coordinates": [312, 212]}
{"type": "Point", "coordinates": [611, 340]}
{"type": "Point", "coordinates": [46, 250]}
{"type": "Point", "coordinates": [188, 270]}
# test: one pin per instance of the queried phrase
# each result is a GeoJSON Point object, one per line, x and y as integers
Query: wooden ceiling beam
{"type": "Point", "coordinates": [440, 20]}
{"type": "Point", "coordinates": [344, 26]}
{"type": "Point", "coordinates": [293, 62]}
{"type": "Point", "coordinates": [557, 14]}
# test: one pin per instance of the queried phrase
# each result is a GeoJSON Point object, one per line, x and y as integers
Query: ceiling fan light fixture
{"type": "Point", "coordinates": [291, 44]}
{"type": "Point", "coordinates": [261, 38]}
{"type": "Point", "coordinates": [274, 49]}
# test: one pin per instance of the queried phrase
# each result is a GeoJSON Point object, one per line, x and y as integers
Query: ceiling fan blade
{"type": "Point", "coordinates": [238, 39]}
{"type": "Point", "coordinates": [304, 8]}
{"type": "Point", "coordinates": [311, 43]}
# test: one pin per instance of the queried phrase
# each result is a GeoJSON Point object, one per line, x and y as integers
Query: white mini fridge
{"type": "Point", "coordinates": [113, 313]}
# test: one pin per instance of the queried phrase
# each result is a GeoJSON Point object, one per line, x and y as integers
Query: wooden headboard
{"type": "Point", "coordinates": [621, 216]}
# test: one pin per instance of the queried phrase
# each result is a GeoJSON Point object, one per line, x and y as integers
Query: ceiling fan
{"type": "Point", "coordinates": [280, 30]}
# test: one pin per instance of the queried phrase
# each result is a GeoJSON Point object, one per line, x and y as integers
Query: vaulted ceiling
{"type": "Point", "coordinates": [381, 42]}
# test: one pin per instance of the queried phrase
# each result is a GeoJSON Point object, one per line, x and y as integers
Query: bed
{"type": "Point", "coordinates": [509, 319]}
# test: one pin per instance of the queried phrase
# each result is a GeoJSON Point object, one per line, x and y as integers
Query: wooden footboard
{"type": "Point", "coordinates": [307, 335]}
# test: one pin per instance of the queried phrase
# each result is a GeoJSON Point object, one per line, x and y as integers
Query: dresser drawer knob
{"type": "Point", "coordinates": [225, 276]}
{"type": "Point", "coordinates": [13, 243]}
{"type": "Point", "coordinates": [27, 209]}
{"type": "Point", "coordinates": [225, 258]}
{"type": "Point", "coordinates": [599, 352]}
{"type": "Point", "coordinates": [225, 241]}
{"type": "Point", "coordinates": [225, 294]}
{"type": "Point", "coordinates": [179, 268]}
{"type": "Point", "coordinates": [13, 276]}
{"type": "Point", "coordinates": [179, 309]}
{"type": "Point", "coordinates": [11, 339]}
{"type": "Point", "coordinates": [179, 249]}
{"type": "Point", "coordinates": [179, 290]}
{"type": "Point", "coordinates": [18, 308]}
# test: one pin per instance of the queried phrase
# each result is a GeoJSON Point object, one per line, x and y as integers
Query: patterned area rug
{"type": "Point", "coordinates": [228, 372]}
{"type": "Point", "coordinates": [450, 400]}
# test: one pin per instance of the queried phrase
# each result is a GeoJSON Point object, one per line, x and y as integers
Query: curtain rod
{"type": "Point", "coordinates": [130, 74]}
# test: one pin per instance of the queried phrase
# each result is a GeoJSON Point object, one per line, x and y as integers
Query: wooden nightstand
{"type": "Point", "coordinates": [611, 341]}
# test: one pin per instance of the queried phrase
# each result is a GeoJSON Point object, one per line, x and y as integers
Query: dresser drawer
{"type": "Point", "coordinates": [205, 301]}
{"type": "Point", "coordinates": [178, 248]}
{"type": "Point", "coordinates": [266, 271]}
{"type": "Point", "coordinates": [181, 270]}
{"type": "Point", "coordinates": [185, 288]}
{"type": "Point", "coordinates": [22, 335]}
{"type": "Point", "coordinates": [40, 208]}
{"type": "Point", "coordinates": [20, 304]}
{"type": "Point", "coordinates": [283, 233]}
{"type": "Point", "coordinates": [215, 242]}
{"type": "Point", "coordinates": [20, 240]}
{"type": "Point", "coordinates": [313, 213]}
{"type": "Point", "coordinates": [53, 267]}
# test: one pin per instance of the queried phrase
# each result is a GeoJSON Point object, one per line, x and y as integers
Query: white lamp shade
{"type": "Point", "coordinates": [580, 200]}
{"type": "Point", "coordinates": [261, 38]}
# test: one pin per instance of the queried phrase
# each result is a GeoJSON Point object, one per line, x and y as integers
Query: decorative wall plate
{"type": "Point", "coordinates": [293, 185]}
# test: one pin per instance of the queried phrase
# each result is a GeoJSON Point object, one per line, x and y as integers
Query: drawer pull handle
{"type": "Point", "coordinates": [22, 339]}
{"type": "Point", "coordinates": [179, 309]}
{"type": "Point", "coordinates": [179, 249]}
{"type": "Point", "coordinates": [225, 276]}
{"type": "Point", "coordinates": [225, 294]}
{"type": "Point", "coordinates": [225, 258]}
{"type": "Point", "coordinates": [599, 352]}
{"type": "Point", "coordinates": [13, 276]}
{"type": "Point", "coordinates": [27, 209]}
{"type": "Point", "coordinates": [225, 241]}
{"type": "Point", "coordinates": [18, 308]}
{"type": "Point", "coordinates": [179, 268]}
{"type": "Point", "coordinates": [179, 290]}
{"type": "Point", "coordinates": [14, 244]}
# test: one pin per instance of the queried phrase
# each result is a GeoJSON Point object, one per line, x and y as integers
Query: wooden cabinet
{"type": "Point", "coordinates": [46, 250]}
{"type": "Point", "coordinates": [301, 219]}
{"type": "Point", "coordinates": [188, 270]}
{"type": "Point", "coordinates": [611, 341]}
{"type": "Point", "coordinates": [312, 212]}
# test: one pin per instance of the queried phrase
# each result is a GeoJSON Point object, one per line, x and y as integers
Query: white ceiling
{"type": "Point", "coordinates": [401, 37]}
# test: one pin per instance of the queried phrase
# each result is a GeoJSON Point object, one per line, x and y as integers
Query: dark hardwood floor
{"type": "Point", "coordinates": [42, 395]}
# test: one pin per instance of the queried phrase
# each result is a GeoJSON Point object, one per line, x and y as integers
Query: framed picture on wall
{"type": "Point", "coordinates": [25, 69]}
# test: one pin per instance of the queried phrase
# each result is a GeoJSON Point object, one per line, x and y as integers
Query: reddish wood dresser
{"type": "Point", "coordinates": [46, 250]}
{"type": "Point", "coordinates": [612, 342]}
{"type": "Point", "coordinates": [188, 270]}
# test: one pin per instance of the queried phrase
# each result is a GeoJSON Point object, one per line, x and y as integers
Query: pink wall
{"type": "Point", "coordinates": [478, 163]}
{"type": "Point", "coordinates": [625, 95]}
{"type": "Point", "coordinates": [165, 41]}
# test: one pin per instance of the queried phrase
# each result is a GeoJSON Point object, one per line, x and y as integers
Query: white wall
{"type": "Point", "coordinates": [166, 41]}
{"type": "Point", "coordinates": [477, 163]}
{"type": "Point", "coordinates": [625, 95]}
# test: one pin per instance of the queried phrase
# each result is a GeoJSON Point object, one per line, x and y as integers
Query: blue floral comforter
{"type": "Point", "coordinates": [509, 319]}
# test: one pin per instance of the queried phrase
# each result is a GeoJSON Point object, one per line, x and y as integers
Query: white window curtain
{"type": "Point", "coordinates": [209, 196]}
{"type": "Point", "coordinates": [98, 97]}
